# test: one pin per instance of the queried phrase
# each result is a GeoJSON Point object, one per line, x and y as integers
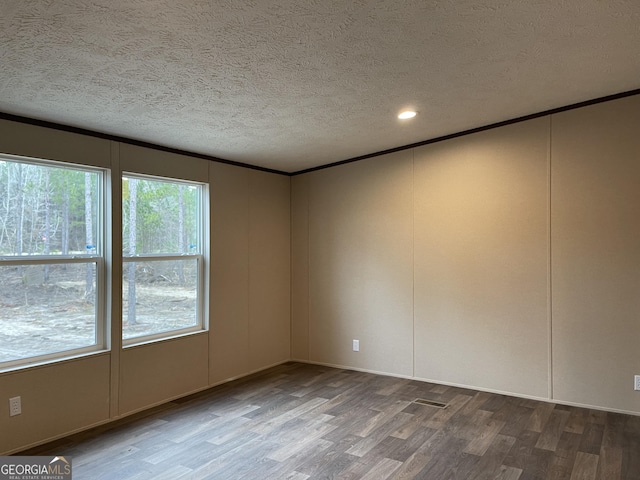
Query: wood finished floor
{"type": "Point", "coordinates": [300, 422]}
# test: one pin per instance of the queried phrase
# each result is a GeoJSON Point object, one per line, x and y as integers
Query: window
{"type": "Point", "coordinates": [52, 266]}
{"type": "Point", "coordinates": [163, 262]}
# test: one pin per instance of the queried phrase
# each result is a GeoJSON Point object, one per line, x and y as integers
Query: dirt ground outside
{"type": "Point", "coordinates": [39, 317]}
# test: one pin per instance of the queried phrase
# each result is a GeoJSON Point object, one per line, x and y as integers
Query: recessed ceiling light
{"type": "Point", "coordinates": [406, 114]}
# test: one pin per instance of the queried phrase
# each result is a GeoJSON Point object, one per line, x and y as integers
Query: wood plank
{"type": "Point", "coordinates": [375, 437]}
{"type": "Point", "coordinates": [382, 418]}
{"type": "Point", "coordinates": [301, 439]}
{"type": "Point", "coordinates": [441, 417]}
{"type": "Point", "coordinates": [284, 417]}
{"type": "Point", "coordinates": [329, 458]}
{"type": "Point", "coordinates": [484, 438]}
{"type": "Point", "coordinates": [448, 458]}
{"type": "Point", "coordinates": [382, 470]}
{"type": "Point", "coordinates": [585, 467]}
{"type": "Point", "coordinates": [489, 465]}
{"type": "Point", "coordinates": [610, 464]}
{"type": "Point", "coordinates": [592, 438]}
{"type": "Point", "coordinates": [507, 473]}
{"type": "Point", "coordinates": [421, 415]}
{"type": "Point", "coordinates": [577, 421]}
{"type": "Point", "coordinates": [564, 457]}
{"type": "Point", "coordinates": [540, 416]}
{"type": "Point", "coordinates": [552, 430]}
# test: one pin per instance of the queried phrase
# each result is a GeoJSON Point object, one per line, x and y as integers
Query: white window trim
{"type": "Point", "coordinates": [201, 324]}
{"type": "Point", "coordinates": [101, 344]}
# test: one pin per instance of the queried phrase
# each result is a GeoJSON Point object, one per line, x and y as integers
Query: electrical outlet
{"type": "Point", "coordinates": [636, 383]}
{"type": "Point", "coordinates": [356, 345]}
{"type": "Point", "coordinates": [15, 406]}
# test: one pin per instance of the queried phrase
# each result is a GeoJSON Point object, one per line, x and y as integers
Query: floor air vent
{"type": "Point", "coordinates": [430, 403]}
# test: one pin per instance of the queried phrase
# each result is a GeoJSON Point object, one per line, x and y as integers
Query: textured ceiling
{"type": "Point", "coordinates": [290, 85]}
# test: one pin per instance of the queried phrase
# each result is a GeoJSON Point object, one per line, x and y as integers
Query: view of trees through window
{"type": "Point", "coordinates": [161, 247]}
{"type": "Point", "coordinates": [52, 265]}
{"type": "Point", "coordinates": [49, 256]}
{"type": "Point", "coordinates": [46, 210]}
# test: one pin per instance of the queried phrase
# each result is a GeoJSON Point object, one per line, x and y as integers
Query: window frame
{"type": "Point", "coordinates": [201, 257]}
{"type": "Point", "coordinates": [99, 258]}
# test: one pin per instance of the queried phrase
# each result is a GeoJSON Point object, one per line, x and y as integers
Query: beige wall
{"type": "Point", "coordinates": [595, 228]}
{"type": "Point", "coordinates": [269, 269]}
{"type": "Point", "coordinates": [505, 260]}
{"type": "Point", "coordinates": [481, 250]}
{"type": "Point", "coordinates": [229, 345]}
{"type": "Point", "coordinates": [249, 284]}
{"type": "Point", "coordinates": [300, 267]}
{"type": "Point", "coordinates": [360, 264]}
{"type": "Point", "coordinates": [45, 143]}
{"type": "Point", "coordinates": [154, 373]}
{"type": "Point", "coordinates": [250, 290]}
{"type": "Point", "coordinates": [56, 399]}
